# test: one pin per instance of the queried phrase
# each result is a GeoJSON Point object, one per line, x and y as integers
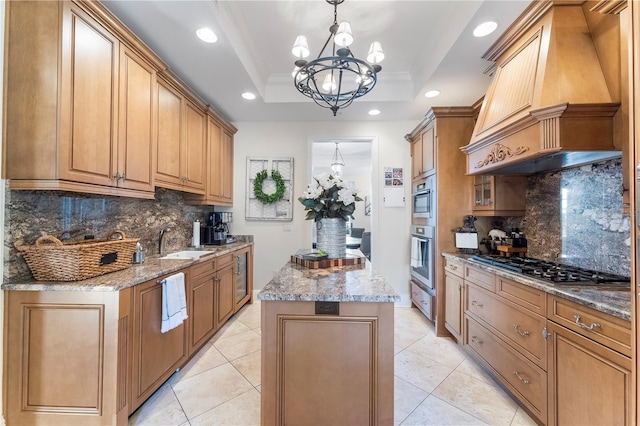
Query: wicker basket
{"type": "Point", "coordinates": [52, 260]}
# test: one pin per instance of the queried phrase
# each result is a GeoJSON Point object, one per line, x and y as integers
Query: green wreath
{"type": "Point", "coordinates": [268, 198]}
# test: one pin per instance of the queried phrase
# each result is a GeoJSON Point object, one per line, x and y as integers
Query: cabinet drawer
{"type": "Point", "coordinates": [520, 328]}
{"type": "Point", "coordinates": [525, 296]}
{"type": "Point", "coordinates": [422, 299]}
{"type": "Point", "coordinates": [455, 267]}
{"type": "Point", "coordinates": [614, 333]}
{"type": "Point", "coordinates": [224, 261]}
{"type": "Point", "coordinates": [480, 277]}
{"type": "Point", "coordinates": [203, 268]}
{"type": "Point", "coordinates": [521, 376]}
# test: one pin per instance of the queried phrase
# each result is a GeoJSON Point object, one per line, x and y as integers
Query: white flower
{"type": "Point", "coordinates": [313, 191]}
{"type": "Point", "coordinates": [346, 196]}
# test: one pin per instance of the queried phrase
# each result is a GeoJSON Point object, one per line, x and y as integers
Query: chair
{"type": "Point", "coordinates": [357, 232]}
{"type": "Point", "coordinates": [365, 245]}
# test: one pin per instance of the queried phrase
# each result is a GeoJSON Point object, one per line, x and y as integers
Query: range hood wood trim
{"type": "Point", "coordinates": [544, 131]}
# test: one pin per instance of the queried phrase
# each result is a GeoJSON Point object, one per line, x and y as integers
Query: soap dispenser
{"type": "Point", "coordinates": [138, 255]}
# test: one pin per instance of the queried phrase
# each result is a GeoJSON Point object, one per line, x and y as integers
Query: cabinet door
{"type": "Point", "coordinates": [88, 100]}
{"type": "Point", "coordinates": [589, 384]}
{"type": "Point", "coordinates": [453, 304]}
{"type": "Point", "coordinates": [136, 137]}
{"type": "Point", "coordinates": [225, 293]}
{"type": "Point", "coordinates": [194, 175]}
{"type": "Point", "coordinates": [201, 311]}
{"type": "Point", "coordinates": [227, 168]}
{"type": "Point", "coordinates": [156, 355]}
{"type": "Point", "coordinates": [428, 152]}
{"type": "Point", "coordinates": [416, 159]}
{"type": "Point", "coordinates": [216, 161]}
{"type": "Point", "coordinates": [169, 136]}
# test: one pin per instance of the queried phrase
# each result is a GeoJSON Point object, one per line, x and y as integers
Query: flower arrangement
{"type": "Point", "coordinates": [329, 197]}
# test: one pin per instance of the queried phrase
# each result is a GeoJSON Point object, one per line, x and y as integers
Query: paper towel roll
{"type": "Point", "coordinates": [196, 233]}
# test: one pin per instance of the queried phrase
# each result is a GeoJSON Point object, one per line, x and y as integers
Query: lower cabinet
{"type": "Point", "coordinates": [225, 288]}
{"type": "Point", "coordinates": [327, 369]}
{"type": "Point", "coordinates": [589, 384]}
{"type": "Point", "coordinates": [453, 312]}
{"type": "Point", "coordinates": [156, 355]}
{"type": "Point", "coordinates": [66, 357]}
{"type": "Point", "coordinates": [201, 290]}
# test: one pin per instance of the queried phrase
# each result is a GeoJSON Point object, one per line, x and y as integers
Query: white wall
{"type": "Point", "coordinates": [275, 242]}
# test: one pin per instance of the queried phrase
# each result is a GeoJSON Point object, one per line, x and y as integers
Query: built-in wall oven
{"type": "Point", "coordinates": [423, 199]}
{"type": "Point", "coordinates": [422, 267]}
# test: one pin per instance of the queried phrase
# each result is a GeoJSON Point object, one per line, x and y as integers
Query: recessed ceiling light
{"type": "Point", "coordinates": [374, 112]}
{"type": "Point", "coordinates": [248, 96]}
{"type": "Point", "coordinates": [485, 28]}
{"type": "Point", "coordinates": [432, 93]}
{"type": "Point", "coordinates": [206, 35]}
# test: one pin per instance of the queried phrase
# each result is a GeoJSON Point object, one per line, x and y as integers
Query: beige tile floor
{"type": "Point", "coordinates": [435, 382]}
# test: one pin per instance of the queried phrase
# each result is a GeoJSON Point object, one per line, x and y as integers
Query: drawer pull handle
{"type": "Point", "coordinates": [475, 339]}
{"type": "Point", "coordinates": [516, 327]}
{"type": "Point", "coordinates": [517, 374]}
{"type": "Point", "coordinates": [453, 267]}
{"type": "Point", "coordinates": [585, 326]}
{"type": "Point", "coordinates": [474, 303]}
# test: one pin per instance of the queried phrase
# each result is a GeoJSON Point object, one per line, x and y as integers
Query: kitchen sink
{"type": "Point", "coordinates": [187, 255]}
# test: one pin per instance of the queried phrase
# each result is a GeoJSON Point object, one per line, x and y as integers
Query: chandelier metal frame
{"type": "Point", "coordinates": [341, 64]}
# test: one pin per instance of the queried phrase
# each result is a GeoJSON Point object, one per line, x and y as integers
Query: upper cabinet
{"type": "Point", "coordinates": [423, 154]}
{"type": "Point", "coordinates": [90, 108]}
{"type": "Point", "coordinates": [499, 195]}
{"type": "Point", "coordinates": [549, 105]}
{"type": "Point", "coordinates": [181, 146]}
{"type": "Point", "coordinates": [92, 132]}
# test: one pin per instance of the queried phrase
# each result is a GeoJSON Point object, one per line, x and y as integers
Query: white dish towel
{"type": "Point", "coordinates": [174, 302]}
{"type": "Point", "coordinates": [416, 253]}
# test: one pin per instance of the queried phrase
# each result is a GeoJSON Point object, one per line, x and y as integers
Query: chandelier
{"type": "Point", "coordinates": [335, 81]}
{"type": "Point", "coordinates": [337, 162]}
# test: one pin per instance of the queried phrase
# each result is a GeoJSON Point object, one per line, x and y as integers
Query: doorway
{"type": "Point", "coordinates": [356, 154]}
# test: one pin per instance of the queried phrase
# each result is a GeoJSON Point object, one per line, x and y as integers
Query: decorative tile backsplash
{"type": "Point", "coordinates": [575, 216]}
{"type": "Point", "coordinates": [27, 213]}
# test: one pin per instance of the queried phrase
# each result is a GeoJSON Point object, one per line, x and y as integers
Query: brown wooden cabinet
{"type": "Point", "coordinates": [423, 154]}
{"type": "Point", "coordinates": [67, 357]}
{"type": "Point", "coordinates": [589, 384]}
{"type": "Point", "coordinates": [225, 288]}
{"type": "Point", "coordinates": [505, 332]}
{"type": "Point", "coordinates": [499, 195]}
{"type": "Point", "coordinates": [219, 187]}
{"type": "Point", "coordinates": [156, 355]}
{"type": "Point", "coordinates": [344, 361]}
{"type": "Point", "coordinates": [181, 148]}
{"type": "Point", "coordinates": [202, 304]}
{"type": "Point", "coordinates": [454, 297]}
{"type": "Point", "coordinates": [85, 124]}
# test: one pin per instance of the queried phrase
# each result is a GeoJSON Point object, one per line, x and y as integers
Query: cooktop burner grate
{"type": "Point", "coordinates": [554, 272]}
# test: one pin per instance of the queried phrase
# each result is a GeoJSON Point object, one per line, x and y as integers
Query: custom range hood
{"type": "Point", "coordinates": [549, 105]}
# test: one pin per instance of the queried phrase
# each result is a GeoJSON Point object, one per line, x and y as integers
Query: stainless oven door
{"type": "Point", "coordinates": [422, 258]}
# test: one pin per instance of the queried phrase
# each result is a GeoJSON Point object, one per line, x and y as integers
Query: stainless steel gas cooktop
{"type": "Point", "coordinates": [556, 273]}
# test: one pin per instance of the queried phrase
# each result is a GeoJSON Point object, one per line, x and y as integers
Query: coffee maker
{"type": "Point", "coordinates": [216, 230]}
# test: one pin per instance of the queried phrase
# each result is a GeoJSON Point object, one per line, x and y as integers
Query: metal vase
{"type": "Point", "coordinates": [331, 236]}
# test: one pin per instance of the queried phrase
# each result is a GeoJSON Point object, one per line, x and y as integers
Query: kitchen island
{"type": "Point", "coordinates": [327, 346]}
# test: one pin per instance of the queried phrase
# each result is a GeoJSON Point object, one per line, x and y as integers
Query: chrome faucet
{"type": "Point", "coordinates": [161, 241]}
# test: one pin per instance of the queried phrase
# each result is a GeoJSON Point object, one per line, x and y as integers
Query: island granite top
{"type": "Point", "coordinates": [152, 268]}
{"type": "Point", "coordinates": [357, 283]}
{"type": "Point", "coordinates": [610, 300]}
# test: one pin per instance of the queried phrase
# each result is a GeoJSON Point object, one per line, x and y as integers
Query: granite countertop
{"type": "Point", "coordinates": [153, 267]}
{"type": "Point", "coordinates": [357, 283]}
{"type": "Point", "coordinates": [615, 301]}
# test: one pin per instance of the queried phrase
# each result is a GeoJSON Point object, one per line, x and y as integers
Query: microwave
{"type": "Point", "coordinates": [423, 199]}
